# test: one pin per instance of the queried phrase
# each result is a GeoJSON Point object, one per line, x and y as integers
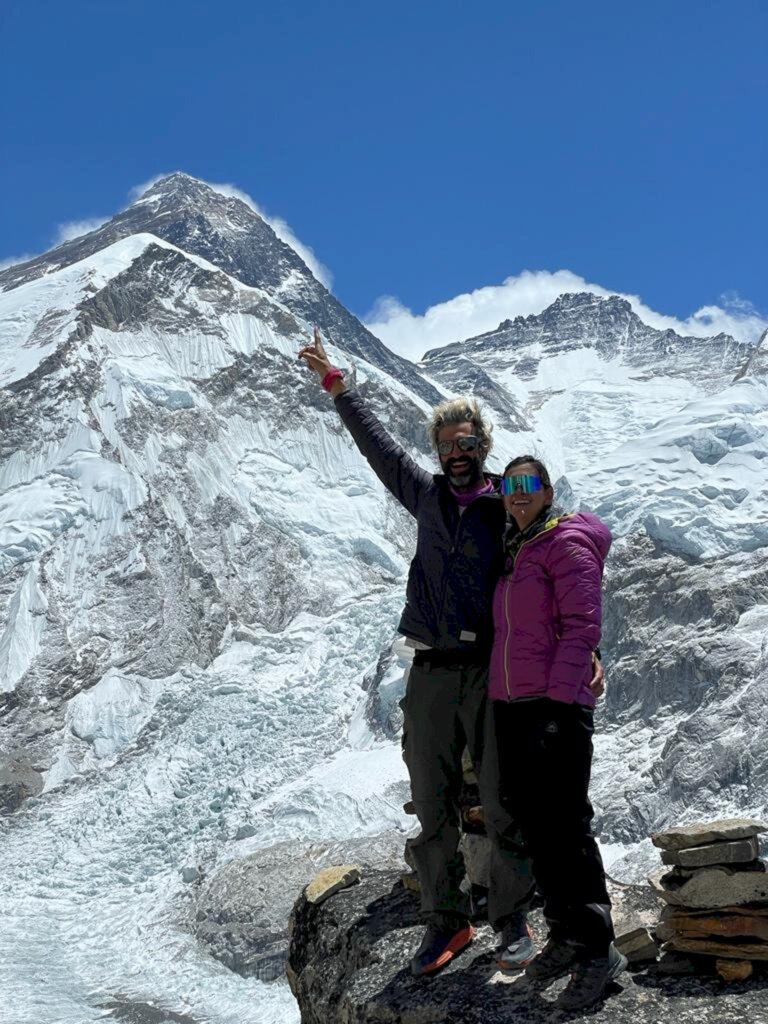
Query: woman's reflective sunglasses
{"type": "Point", "coordinates": [527, 482]}
{"type": "Point", "coordinates": [464, 444]}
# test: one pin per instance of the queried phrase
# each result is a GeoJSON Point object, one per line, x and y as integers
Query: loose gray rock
{"type": "Point", "coordinates": [734, 970]}
{"type": "Point", "coordinates": [687, 836]}
{"type": "Point", "coordinates": [740, 851]}
{"type": "Point", "coordinates": [638, 945]}
{"type": "Point", "coordinates": [331, 880]}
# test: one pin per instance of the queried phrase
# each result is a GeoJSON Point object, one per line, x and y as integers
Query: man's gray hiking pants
{"type": "Point", "coordinates": [445, 709]}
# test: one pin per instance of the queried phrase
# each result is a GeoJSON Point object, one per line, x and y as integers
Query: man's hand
{"type": "Point", "coordinates": [315, 356]}
{"type": "Point", "coordinates": [597, 686]}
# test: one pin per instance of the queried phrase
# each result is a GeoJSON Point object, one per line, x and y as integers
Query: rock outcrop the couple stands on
{"type": "Point", "coordinates": [349, 964]}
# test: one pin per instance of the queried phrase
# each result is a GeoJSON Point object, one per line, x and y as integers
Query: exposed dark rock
{"type": "Point", "coordinates": [129, 1011]}
{"type": "Point", "coordinates": [18, 782]}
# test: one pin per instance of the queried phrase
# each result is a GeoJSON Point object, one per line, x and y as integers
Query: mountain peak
{"type": "Point", "coordinates": [569, 303]}
{"type": "Point", "coordinates": [586, 301]}
{"type": "Point", "coordinates": [182, 190]}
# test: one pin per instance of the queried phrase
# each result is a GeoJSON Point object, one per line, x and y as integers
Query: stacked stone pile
{"type": "Point", "coordinates": [715, 887]}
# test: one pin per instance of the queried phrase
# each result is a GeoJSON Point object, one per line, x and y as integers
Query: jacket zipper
{"type": "Point", "coordinates": [451, 554]}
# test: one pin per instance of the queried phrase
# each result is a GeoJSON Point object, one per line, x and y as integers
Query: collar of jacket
{"type": "Point", "coordinates": [514, 538]}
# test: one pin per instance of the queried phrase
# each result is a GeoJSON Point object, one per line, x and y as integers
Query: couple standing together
{"type": "Point", "coordinates": [503, 611]}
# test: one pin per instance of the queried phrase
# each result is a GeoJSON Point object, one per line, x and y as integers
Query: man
{"type": "Point", "coordinates": [447, 619]}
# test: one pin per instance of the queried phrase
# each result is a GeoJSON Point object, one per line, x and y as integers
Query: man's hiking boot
{"type": "Point", "coordinates": [589, 980]}
{"type": "Point", "coordinates": [515, 950]}
{"type": "Point", "coordinates": [554, 961]}
{"type": "Point", "coordinates": [438, 947]}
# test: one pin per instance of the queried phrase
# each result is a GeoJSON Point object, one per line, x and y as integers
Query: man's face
{"type": "Point", "coordinates": [463, 469]}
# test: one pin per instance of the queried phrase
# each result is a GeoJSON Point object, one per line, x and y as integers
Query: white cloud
{"type": "Point", "coordinates": [64, 233]}
{"type": "Point", "coordinates": [464, 316]}
{"type": "Point", "coordinates": [75, 228]}
{"type": "Point", "coordinates": [12, 261]}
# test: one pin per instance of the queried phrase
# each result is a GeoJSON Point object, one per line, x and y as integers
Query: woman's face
{"type": "Point", "coordinates": [525, 507]}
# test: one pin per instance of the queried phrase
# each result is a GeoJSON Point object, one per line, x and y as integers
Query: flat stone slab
{"type": "Point", "coordinates": [746, 910]}
{"type": "Point", "coordinates": [727, 950]}
{"type": "Point", "coordinates": [713, 888]}
{"type": "Point", "coordinates": [739, 851]}
{"type": "Point", "coordinates": [331, 880]}
{"type": "Point", "coordinates": [638, 945]}
{"type": "Point", "coordinates": [712, 925]}
{"type": "Point", "coordinates": [686, 836]}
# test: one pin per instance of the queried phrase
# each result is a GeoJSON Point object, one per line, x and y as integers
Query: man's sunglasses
{"type": "Point", "coordinates": [527, 482]}
{"type": "Point", "coordinates": [464, 444]}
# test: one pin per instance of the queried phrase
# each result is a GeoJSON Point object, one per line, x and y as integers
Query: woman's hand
{"type": "Point", "coordinates": [315, 355]}
{"type": "Point", "coordinates": [597, 686]}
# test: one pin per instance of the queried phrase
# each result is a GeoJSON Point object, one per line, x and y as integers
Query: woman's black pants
{"type": "Point", "coordinates": [545, 757]}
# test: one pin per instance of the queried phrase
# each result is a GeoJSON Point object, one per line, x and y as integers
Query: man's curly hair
{"type": "Point", "coordinates": [461, 410]}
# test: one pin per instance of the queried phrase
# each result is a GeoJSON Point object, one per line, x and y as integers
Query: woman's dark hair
{"type": "Point", "coordinates": [541, 469]}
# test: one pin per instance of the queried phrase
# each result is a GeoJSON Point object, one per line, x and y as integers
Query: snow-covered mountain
{"type": "Point", "coordinates": [198, 573]}
{"type": "Point", "coordinates": [197, 570]}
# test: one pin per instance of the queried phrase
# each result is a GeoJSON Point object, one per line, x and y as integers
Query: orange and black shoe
{"type": "Point", "coordinates": [439, 947]}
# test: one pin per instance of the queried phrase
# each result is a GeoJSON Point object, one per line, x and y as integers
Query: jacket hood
{"type": "Point", "coordinates": [588, 525]}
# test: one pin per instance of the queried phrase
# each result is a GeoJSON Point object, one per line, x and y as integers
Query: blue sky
{"type": "Point", "coordinates": [423, 150]}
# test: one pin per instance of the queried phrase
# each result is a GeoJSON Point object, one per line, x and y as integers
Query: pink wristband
{"type": "Point", "coordinates": [333, 374]}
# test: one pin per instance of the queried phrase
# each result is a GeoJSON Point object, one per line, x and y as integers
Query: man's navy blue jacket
{"type": "Point", "coordinates": [458, 559]}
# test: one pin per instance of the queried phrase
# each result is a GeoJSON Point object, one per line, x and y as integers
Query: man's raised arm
{"type": "Point", "coordinates": [403, 477]}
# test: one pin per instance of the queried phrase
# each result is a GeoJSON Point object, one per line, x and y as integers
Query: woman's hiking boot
{"type": "Point", "coordinates": [439, 946]}
{"type": "Point", "coordinates": [516, 949]}
{"type": "Point", "coordinates": [554, 961]}
{"type": "Point", "coordinates": [589, 980]}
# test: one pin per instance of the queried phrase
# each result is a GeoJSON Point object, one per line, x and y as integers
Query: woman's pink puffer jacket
{"type": "Point", "coordinates": [547, 613]}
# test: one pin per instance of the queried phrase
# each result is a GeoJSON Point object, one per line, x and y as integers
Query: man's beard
{"type": "Point", "coordinates": [471, 476]}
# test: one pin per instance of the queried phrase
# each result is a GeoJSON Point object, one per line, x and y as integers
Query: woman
{"type": "Point", "coordinates": [547, 617]}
